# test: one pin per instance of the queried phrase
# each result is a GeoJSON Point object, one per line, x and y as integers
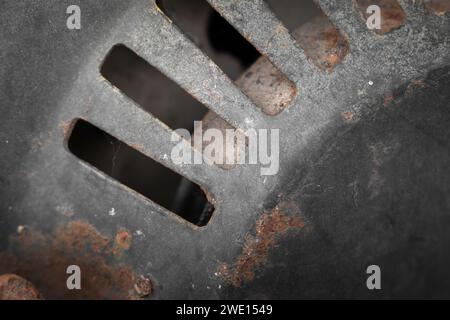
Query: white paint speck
{"type": "Point", "coordinates": [112, 212]}
{"type": "Point", "coordinates": [248, 121]}
{"type": "Point", "coordinates": [216, 274]}
{"type": "Point", "coordinates": [20, 229]}
{"type": "Point", "coordinates": [139, 233]}
{"type": "Point", "coordinates": [165, 157]}
{"type": "Point", "coordinates": [220, 286]}
{"type": "Point", "coordinates": [65, 210]}
{"type": "Point", "coordinates": [370, 83]}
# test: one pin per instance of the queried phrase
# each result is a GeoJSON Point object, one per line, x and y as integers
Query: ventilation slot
{"type": "Point", "coordinates": [314, 32]}
{"type": "Point", "coordinates": [391, 13]}
{"type": "Point", "coordinates": [150, 89]}
{"type": "Point", "coordinates": [257, 77]}
{"type": "Point", "coordinates": [159, 95]}
{"type": "Point", "coordinates": [140, 173]}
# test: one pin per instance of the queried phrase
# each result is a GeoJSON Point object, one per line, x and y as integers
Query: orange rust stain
{"type": "Point", "coordinates": [256, 248]}
{"type": "Point", "coordinates": [43, 259]}
{"type": "Point", "coordinates": [123, 239]}
{"type": "Point", "coordinates": [323, 43]}
{"type": "Point", "coordinates": [13, 287]}
{"type": "Point", "coordinates": [348, 116]}
{"type": "Point", "coordinates": [267, 87]}
{"type": "Point", "coordinates": [123, 242]}
{"type": "Point", "coordinates": [79, 235]}
{"type": "Point", "coordinates": [392, 14]}
{"type": "Point", "coordinates": [438, 7]}
{"type": "Point", "coordinates": [143, 286]}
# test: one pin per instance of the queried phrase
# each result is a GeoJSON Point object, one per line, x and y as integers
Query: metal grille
{"type": "Point", "coordinates": [49, 187]}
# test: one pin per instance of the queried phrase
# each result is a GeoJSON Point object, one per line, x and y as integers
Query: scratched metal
{"type": "Point", "coordinates": [50, 76]}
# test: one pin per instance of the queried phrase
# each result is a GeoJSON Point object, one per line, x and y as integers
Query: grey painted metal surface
{"type": "Point", "coordinates": [50, 76]}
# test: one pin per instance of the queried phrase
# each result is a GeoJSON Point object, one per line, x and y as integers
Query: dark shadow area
{"type": "Point", "coordinates": [225, 38]}
{"type": "Point", "coordinates": [140, 173]}
{"type": "Point", "coordinates": [150, 89]}
{"type": "Point", "coordinates": [212, 34]}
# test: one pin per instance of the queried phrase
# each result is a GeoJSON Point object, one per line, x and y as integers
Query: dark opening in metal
{"type": "Point", "coordinates": [151, 89]}
{"type": "Point", "coordinates": [294, 13]}
{"type": "Point", "coordinates": [231, 52]}
{"type": "Point", "coordinates": [140, 173]}
{"type": "Point", "coordinates": [212, 33]}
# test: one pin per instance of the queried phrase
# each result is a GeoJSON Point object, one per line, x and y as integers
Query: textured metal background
{"type": "Point", "coordinates": [365, 168]}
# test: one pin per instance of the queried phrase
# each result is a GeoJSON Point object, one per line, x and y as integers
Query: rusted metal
{"type": "Point", "coordinates": [323, 43]}
{"type": "Point", "coordinates": [269, 227]}
{"type": "Point", "coordinates": [438, 7]}
{"type": "Point", "coordinates": [44, 257]}
{"type": "Point", "coordinates": [13, 287]}
{"type": "Point", "coordinates": [143, 286]}
{"type": "Point", "coordinates": [123, 239]}
{"type": "Point", "coordinates": [349, 116]}
{"type": "Point", "coordinates": [329, 171]}
{"type": "Point", "coordinates": [392, 14]}
{"type": "Point", "coordinates": [267, 86]}
{"type": "Point", "coordinates": [264, 84]}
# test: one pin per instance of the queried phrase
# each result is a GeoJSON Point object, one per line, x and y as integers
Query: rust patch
{"type": "Point", "coordinates": [271, 91]}
{"type": "Point", "coordinates": [43, 259]}
{"type": "Point", "coordinates": [269, 227]}
{"type": "Point", "coordinates": [438, 7]}
{"type": "Point", "coordinates": [322, 42]}
{"type": "Point", "coordinates": [392, 14]}
{"type": "Point", "coordinates": [348, 116]}
{"type": "Point", "coordinates": [123, 239]}
{"type": "Point", "coordinates": [143, 286]}
{"type": "Point", "coordinates": [267, 87]}
{"type": "Point", "coordinates": [123, 242]}
{"type": "Point", "coordinates": [13, 287]}
{"type": "Point", "coordinates": [80, 235]}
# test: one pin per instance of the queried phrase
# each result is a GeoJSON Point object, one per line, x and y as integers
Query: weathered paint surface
{"type": "Point", "coordinates": [44, 258]}
{"type": "Point", "coordinates": [438, 7]}
{"type": "Point", "coordinates": [323, 43]}
{"type": "Point", "coordinates": [282, 219]}
{"type": "Point", "coordinates": [13, 287]}
{"type": "Point", "coordinates": [392, 14]}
